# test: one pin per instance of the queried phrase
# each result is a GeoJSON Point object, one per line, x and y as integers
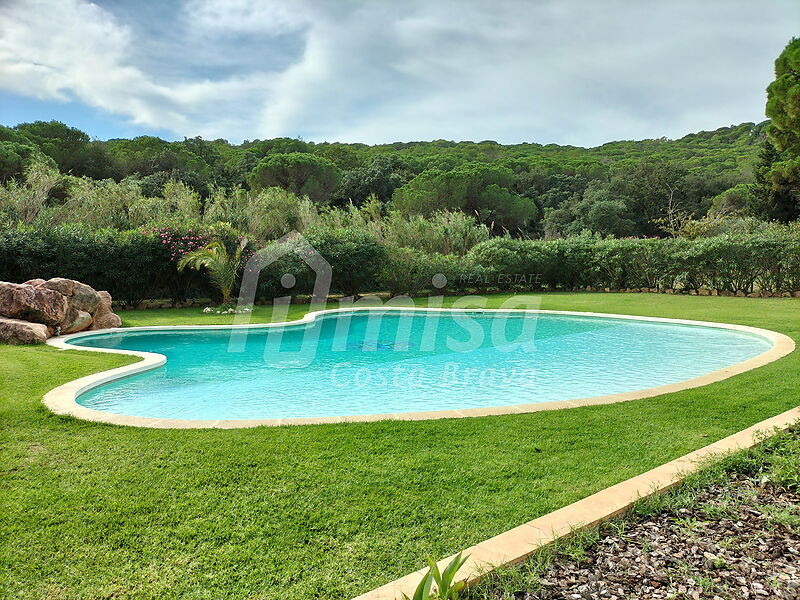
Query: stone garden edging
{"type": "Point", "coordinates": [516, 545]}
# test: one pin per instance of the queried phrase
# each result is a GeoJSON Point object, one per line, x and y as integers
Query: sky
{"type": "Point", "coordinates": [580, 72]}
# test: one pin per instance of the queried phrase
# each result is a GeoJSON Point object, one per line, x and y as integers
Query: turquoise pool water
{"type": "Point", "coordinates": [390, 362]}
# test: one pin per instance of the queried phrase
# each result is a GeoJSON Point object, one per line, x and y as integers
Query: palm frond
{"type": "Point", "coordinates": [223, 269]}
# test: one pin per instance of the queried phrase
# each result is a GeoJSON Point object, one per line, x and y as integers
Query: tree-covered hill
{"type": "Point", "coordinates": [621, 188]}
{"type": "Point", "coordinates": [728, 149]}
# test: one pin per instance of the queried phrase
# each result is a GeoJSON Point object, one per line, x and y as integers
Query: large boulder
{"type": "Point", "coordinates": [82, 301]}
{"type": "Point", "coordinates": [17, 331]}
{"type": "Point", "coordinates": [84, 297]}
{"type": "Point", "coordinates": [75, 321]}
{"type": "Point", "coordinates": [104, 317]}
{"type": "Point", "coordinates": [79, 295]}
{"type": "Point", "coordinates": [60, 284]}
{"type": "Point", "coordinates": [32, 303]}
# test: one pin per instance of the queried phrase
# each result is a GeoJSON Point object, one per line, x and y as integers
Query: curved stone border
{"type": "Point", "coordinates": [516, 545]}
{"type": "Point", "coordinates": [62, 400]}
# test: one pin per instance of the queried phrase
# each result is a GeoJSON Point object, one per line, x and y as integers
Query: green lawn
{"type": "Point", "coordinates": [327, 511]}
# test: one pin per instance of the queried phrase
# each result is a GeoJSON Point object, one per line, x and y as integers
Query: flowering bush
{"type": "Point", "coordinates": [132, 265]}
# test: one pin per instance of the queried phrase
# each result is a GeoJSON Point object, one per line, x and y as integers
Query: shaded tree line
{"type": "Point", "coordinates": [643, 188]}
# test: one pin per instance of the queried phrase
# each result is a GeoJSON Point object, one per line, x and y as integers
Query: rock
{"type": "Point", "coordinates": [77, 320]}
{"type": "Point", "coordinates": [754, 295]}
{"type": "Point", "coordinates": [84, 297]}
{"type": "Point", "coordinates": [740, 293]}
{"type": "Point", "coordinates": [104, 317]}
{"type": "Point", "coordinates": [796, 294]}
{"type": "Point", "coordinates": [703, 292]}
{"type": "Point", "coordinates": [17, 331]}
{"type": "Point", "coordinates": [61, 285]}
{"type": "Point", "coordinates": [35, 282]}
{"type": "Point", "coordinates": [82, 301]}
{"type": "Point", "coordinates": [79, 295]}
{"type": "Point", "coordinates": [31, 303]}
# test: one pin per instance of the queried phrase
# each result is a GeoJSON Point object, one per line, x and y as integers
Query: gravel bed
{"type": "Point", "coordinates": [736, 540]}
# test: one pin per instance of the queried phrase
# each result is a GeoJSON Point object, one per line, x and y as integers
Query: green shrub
{"type": "Point", "coordinates": [355, 257]}
{"type": "Point", "coordinates": [130, 264]}
{"type": "Point", "coordinates": [503, 259]}
{"type": "Point", "coordinates": [411, 272]}
{"type": "Point", "coordinates": [406, 272]}
{"type": "Point", "coordinates": [570, 261]}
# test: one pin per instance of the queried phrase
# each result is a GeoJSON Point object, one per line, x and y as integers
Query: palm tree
{"type": "Point", "coordinates": [222, 267]}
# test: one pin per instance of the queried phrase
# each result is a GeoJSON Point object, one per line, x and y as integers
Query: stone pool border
{"type": "Point", "coordinates": [62, 400]}
{"type": "Point", "coordinates": [518, 544]}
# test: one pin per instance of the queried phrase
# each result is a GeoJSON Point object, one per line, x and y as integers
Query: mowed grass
{"type": "Point", "coordinates": [100, 511]}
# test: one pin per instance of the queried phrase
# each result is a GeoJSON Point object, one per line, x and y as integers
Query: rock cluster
{"type": "Point", "coordinates": [31, 312]}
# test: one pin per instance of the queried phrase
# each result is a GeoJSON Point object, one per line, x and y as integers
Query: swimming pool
{"type": "Point", "coordinates": [372, 362]}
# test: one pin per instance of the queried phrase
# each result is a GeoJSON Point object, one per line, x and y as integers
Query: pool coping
{"type": "Point", "coordinates": [62, 400]}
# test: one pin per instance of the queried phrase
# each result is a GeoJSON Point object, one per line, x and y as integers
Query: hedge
{"type": "Point", "coordinates": [138, 264]}
{"type": "Point", "coordinates": [355, 258]}
{"type": "Point", "coordinates": [131, 265]}
{"type": "Point", "coordinates": [767, 262]}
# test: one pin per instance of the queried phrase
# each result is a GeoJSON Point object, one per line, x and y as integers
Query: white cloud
{"type": "Point", "coordinates": [73, 49]}
{"type": "Point", "coordinates": [246, 16]}
{"type": "Point", "coordinates": [564, 71]}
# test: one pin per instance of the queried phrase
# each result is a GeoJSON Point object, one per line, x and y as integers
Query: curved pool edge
{"type": "Point", "coordinates": [62, 400]}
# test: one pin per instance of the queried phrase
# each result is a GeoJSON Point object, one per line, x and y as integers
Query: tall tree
{"type": "Point", "coordinates": [783, 100]}
{"type": "Point", "coordinates": [381, 177]}
{"type": "Point", "coordinates": [777, 189]}
{"type": "Point", "coordinates": [653, 193]}
{"type": "Point", "coordinates": [484, 190]}
{"type": "Point", "coordinates": [65, 145]}
{"type": "Point", "coordinates": [301, 173]}
{"type": "Point", "coordinates": [774, 194]}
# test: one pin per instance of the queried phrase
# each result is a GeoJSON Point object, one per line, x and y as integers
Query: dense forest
{"type": "Point", "coordinates": [625, 188]}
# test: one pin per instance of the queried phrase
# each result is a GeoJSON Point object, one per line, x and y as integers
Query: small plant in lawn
{"type": "Point", "coordinates": [227, 309]}
{"type": "Point", "coordinates": [445, 588]}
